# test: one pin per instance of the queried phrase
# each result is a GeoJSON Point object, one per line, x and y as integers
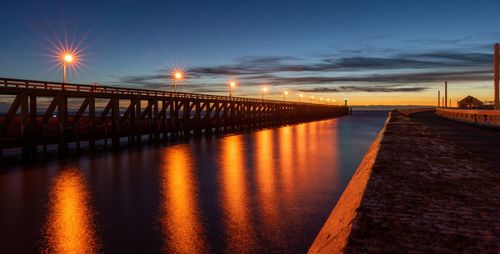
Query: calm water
{"type": "Point", "coordinates": [264, 191]}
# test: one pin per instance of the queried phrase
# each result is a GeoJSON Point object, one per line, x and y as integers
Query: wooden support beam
{"type": "Point", "coordinates": [186, 117]}
{"type": "Point", "coordinates": [115, 122]}
{"type": "Point", "coordinates": [156, 121]}
{"type": "Point", "coordinates": [25, 122]}
{"type": "Point", "coordinates": [50, 110]}
{"type": "Point", "coordinates": [79, 113]}
{"type": "Point", "coordinates": [62, 114]}
{"type": "Point", "coordinates": [11, 113]}
{"type": "Point", "coordinates": [105, 112]}
{"type": "Point", "coordinates": [126, 114]}
{"type": "Point", "coordinates": [147, 110]}
{"type": "Point", "coordinates": [92, 123]}
{"type": "Point", "coordinates": [138, 121]}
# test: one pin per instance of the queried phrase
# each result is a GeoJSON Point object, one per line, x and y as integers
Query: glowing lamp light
{"type": "Point", "coordinates": [178, 75]}
{"type": "Point", "coordinates": [232, 84]}
{"type": "Point", "coordinates": [68, 58]}
{"type": "Point", "coordinates": [301, 95]}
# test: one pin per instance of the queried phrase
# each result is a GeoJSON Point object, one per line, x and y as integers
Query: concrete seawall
{"type": "Point", "coordinates": [486, 118]}
{"type": "Point", "coordinates": [415, 192]}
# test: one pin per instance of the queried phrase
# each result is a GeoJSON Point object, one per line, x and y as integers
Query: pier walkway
{"type": "Point", "coordinates": [481, 142]}
{"type": "Point", "coordinates": [416, 192]}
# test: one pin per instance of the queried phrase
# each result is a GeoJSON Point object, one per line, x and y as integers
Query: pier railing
{"type": "Point", "coordinates": [112, 90]}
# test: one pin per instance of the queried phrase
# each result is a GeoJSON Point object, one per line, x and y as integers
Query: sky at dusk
{"type": "Point", "coordinates": [391, 52]}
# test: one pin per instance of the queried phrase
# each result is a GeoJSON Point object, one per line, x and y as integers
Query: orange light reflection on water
{"type": "Point", "coordinates": [234, 195]}
{"type": "Point", "coordinates": [287, 160]}
{"type": "Point", "coordinates": [70, 227]}
{"type": "Point", "coordinates": [181, 222]}
{"type": "Point", "coordinates": [265, 173]}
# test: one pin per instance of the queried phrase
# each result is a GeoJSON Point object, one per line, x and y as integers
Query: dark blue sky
{"type": "Point", "coordinates": [371, 51]}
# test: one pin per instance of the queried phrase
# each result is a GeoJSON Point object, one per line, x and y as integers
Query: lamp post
{"type": "Point", "coordinates": [232, 84]}
{"type": "Point", "coordinates": [264, 89]}
{"type": "Point", "coordinates": [177, 76]}
{"type": "Point", "coordinates": [67, 59]}
{"type": "Point", "coordinates": [311, 99]}
{"type": "Point", "coordinates": [285, 93]}
{"type": "Point", "coordinates": [345, 102]}
{"type": "Point", "coordinates": [300, 96]}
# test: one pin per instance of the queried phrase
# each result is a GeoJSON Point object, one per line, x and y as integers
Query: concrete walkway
{"type": "Point", "coordinates": [416, 192]}
{"type": "Point", "coordinates": [481, 142]}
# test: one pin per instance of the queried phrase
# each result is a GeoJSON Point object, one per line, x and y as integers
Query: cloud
{"type": "Point", "coordinates": [419, 77]}
{"type": "Point", "coordinates": [440, 41]}
{"type": "Point", "coordinates": [331, 73]}
{"type": "Point", "coordinates": [426, 60]}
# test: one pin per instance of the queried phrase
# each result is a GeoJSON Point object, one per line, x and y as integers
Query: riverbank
{"type": "Point", "coordinates": [415, 192]}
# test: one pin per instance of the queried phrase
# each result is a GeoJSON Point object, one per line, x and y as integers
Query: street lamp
{"type": "Point", "coordinates": [345, 102]}
{"type": "Point", "coordinates": [311, 99]}
{"type": "Point", "coordinates": [264, 90]}
{"type": "Point", "coordinates": [284, 95]}
{"type": "Point", "coordinates": [232, 84]}
{"type": "Point", "coordinates": [67, 58]}
{"type": "Point", "coordinates": [177, 75]}
{"type": "Point", "coordinates": [300, 96]}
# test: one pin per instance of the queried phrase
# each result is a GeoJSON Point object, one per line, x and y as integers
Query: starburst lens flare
{"type": "Point", "coordinates": [72, 58]}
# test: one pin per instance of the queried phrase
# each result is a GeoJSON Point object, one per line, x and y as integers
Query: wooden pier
{"type": "Point", "coordinates": [38, 115]}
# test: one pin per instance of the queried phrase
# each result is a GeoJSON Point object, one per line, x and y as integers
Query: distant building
{"type": "Point", "coordinates": [470, 102]}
